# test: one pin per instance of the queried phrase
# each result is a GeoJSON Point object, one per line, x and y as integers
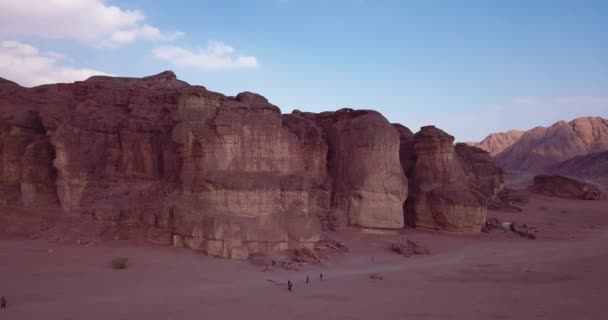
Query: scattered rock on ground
{"type": "Point", "coordinates": [376, 276]}
{"type": "Point", "coordinates": [288, 260]}
{"type": "Point", "coordinates": [522, 230]}
{"type": "Point", "coordinates": [563, 187]}
{"type": "Point", "coordinates": [491, 224]}
{"type": "Point", "coordinates": [409, 248]}
{"type": "Point", "coordinates": [330, 245]}
{"type": "Point", "coordinates": [510, 200]}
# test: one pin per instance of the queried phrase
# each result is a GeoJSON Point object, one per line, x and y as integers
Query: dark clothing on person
{"type": "Point", "coordinates": [306, 278]}
{"type": "Point", "coordinates": [321, 277]}
{"type": "Point", "coordinates": [3, 303]}
{"type": "Point", "coordinates": [289, 285]}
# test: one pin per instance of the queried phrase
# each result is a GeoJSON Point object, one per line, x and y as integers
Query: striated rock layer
{"type": "Point", "coordinates": [229, 176]}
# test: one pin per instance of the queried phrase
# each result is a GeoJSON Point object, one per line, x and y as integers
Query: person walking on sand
{"type": "Point", "coordinates": [3, 303]}
{"type": "Point", "coordinates": [307, 279]}
{"type": "Point", "coordinates": [321, 276]}
{"type": "Point", "coordinates": [289, 285]}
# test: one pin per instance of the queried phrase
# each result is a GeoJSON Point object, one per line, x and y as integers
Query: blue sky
{"type": "Point", "coordinates": [469, 67]}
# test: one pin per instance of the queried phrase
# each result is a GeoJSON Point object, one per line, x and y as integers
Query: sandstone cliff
{"type": "Point", "coordinates": [229, 176]}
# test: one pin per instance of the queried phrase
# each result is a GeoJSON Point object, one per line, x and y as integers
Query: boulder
{"type": "Point", "coordinates": [409, 248]}
{"type": "Point", "coordinates": [563, 187]}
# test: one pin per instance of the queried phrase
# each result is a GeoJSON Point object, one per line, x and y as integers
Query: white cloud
{"type": "Point", "coordinates": [89, 21]}
{"type": "Point", "coordinates": [216, 56]}
{"type": "Point", "coordinates": [26, 65]}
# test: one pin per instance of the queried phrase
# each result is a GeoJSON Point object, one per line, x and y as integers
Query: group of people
{"type": "Point", "coordinates": [290, 284]}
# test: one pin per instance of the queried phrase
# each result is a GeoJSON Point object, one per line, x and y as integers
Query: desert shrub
{"type": "Point", "coordinates": [119, 263]}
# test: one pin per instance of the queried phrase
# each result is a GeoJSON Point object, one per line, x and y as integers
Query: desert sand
{"type": "Point", "coordinates": [498, 275]}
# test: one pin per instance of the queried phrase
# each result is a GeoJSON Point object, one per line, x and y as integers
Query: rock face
{"type": "Point", "coordinates": [496, 143]}
{"type": "Point", "coordinates": [450, 188]}
{"type": "Point", "coordinates": [228, 176]}
{"type": "Point", "coordinates": [26, 155]}
{"type": "Point", "coordinates": [218, 174]}
{"type": "Point", "coordinates": [480, 170]}
{"type": "Point", "coordinates": [559, 186]}
{"type": "Point", "coordinates": [541, 148]}
{"type": "Point", "coordinates": [362, 159]}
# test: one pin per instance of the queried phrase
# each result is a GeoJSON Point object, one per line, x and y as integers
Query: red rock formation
{"type": "Point", "coordinates": [218, 174]}
{"type": "Point", "coordinates": [367, 183]}
{"type": "Point", "coordinates": [226, 175]}
{"type": "Point", "coordinates": [559, 186]}
{"type": "Point", "coordinates": [229, 176]}
{"type": "Point", "coordinates": [448, 190]}
{"type": "Point", "coordinates": [311, 139]}
{"type": "Point", "coordinates": [369, 186]}
{"type": "Point", "coordinates": [26, 172]}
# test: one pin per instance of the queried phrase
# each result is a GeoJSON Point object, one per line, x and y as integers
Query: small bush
{"type": "Point", "coordinates": [119, 263]}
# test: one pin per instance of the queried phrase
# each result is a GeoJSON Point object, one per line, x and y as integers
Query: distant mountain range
{"type": "Point", "coordinates": [554, 148]}
{"type": "Point", "coordinates": [593, 165]}
{"type": "Point", "coordinates": [496, 143]}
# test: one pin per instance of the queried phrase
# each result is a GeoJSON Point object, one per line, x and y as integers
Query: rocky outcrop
{"type": "Point", "coordinates": [541, 148]}
{"type": "Point", "coordinates": [449, 188]}
{"type": "Point", "coordinates": [563, 187]}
